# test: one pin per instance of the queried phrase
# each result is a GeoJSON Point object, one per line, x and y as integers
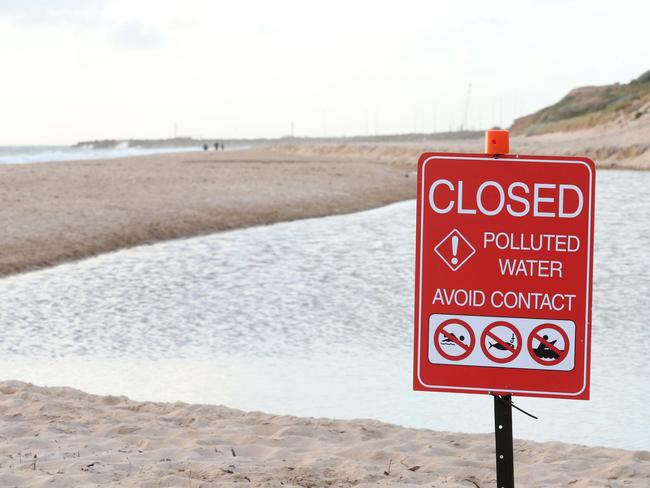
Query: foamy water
{"type": "Point", "coordinates": [314, 318]}
{"type": "Point", "coordinates": [41, 154]}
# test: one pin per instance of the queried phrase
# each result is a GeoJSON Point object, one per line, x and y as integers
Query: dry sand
{"type": "Point", "coordinates": [55, 212]}
{"type": "Point", "coordinates": [60, 437]}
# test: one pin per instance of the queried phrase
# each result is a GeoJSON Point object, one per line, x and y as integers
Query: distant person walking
{"type": "Point", "coordinates": [205, 147]}
{"type": "Point", "coordinates": [223, 146]}
{"type": "Point", "coordinates": [216, 146]}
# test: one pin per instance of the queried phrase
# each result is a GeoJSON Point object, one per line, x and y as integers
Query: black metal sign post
{"type": "Point", "coordinates": [503, 441]}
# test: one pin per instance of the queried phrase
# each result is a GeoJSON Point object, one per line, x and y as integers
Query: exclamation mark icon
{"type": "Point", "coordinates": [454, 249]}
{"type": "Point", "coordinates": [458, 253]}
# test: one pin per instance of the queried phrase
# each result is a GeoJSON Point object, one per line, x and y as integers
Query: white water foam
{"type": "Point", "coordinates": [41, 154]}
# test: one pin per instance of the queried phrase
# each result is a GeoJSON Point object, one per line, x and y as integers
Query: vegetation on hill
{"type": "Point", "coordinates": [590, 106]}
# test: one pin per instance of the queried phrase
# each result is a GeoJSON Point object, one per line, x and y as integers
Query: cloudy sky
{"type": "Point", "coordinates": [77, 70]}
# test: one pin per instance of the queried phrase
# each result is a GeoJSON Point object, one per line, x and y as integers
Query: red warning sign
{"type": "Point", "coordinates": [501, 342]}
{"type": "Point", "coordinates": [504, 254]}
{"type": "Point", "coordinates": [548, 344]}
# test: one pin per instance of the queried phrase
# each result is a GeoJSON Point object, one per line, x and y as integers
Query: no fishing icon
{"type": "Point", "coordinates": [501, 342]}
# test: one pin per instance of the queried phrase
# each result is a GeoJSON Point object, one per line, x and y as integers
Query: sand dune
{"type": "Point", "coordinates": [60, 437]}
{"type": "Point", "coordinates": [620, 144]}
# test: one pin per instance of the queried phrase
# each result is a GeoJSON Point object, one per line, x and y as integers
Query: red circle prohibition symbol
{"type": "Point", "coordinates": [440, 331]}
{"type": "Point", "coordinates": [561, 354]}
{"type": "Point", "coordinates": [488, 334]}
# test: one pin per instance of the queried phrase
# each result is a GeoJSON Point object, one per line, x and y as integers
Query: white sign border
{"type": "Point", "coordinates": [589, 263]}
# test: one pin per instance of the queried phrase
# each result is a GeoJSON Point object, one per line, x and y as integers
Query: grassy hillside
{"type": "Point", "coordinates": [590, 106]}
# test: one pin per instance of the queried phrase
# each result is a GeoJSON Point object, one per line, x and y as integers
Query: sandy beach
{"type": "Point", "coordinates": [56, 212]}
{"type": "Point", "coordinates": [60, 437]}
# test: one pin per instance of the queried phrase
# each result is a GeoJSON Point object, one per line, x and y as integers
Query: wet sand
{"type": "Point", "coordinates": [56, 212]}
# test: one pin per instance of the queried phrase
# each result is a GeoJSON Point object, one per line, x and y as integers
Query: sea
{"type": "Point", "coordinates": [42, 154]}
{"type": "Point", "coordinates": [315, 318]}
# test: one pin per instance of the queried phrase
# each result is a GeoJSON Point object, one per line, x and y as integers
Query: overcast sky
{"type": "Point", "coordinates": [77, 70]}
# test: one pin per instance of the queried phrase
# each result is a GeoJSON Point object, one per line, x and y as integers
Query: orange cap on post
{"type": "Point", "coordinates": [497, 142]}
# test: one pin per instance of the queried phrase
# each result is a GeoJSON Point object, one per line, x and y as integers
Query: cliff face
{"type": "Point", "coordinates": [590, 106]}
